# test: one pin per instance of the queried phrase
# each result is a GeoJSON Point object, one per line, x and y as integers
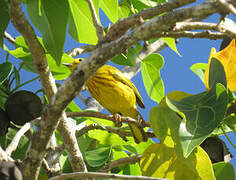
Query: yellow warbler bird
{"type": "Point", "coordinates": [116, 93]}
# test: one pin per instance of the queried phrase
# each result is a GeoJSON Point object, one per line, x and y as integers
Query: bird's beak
{"type": "Point", "coordinates": [67, 64]}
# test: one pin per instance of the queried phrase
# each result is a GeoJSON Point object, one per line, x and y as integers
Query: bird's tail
{"type": "Point", "coordinates": [138, 133]}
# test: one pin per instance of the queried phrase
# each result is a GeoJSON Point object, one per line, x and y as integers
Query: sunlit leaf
{"type": "Point", "coordinates": [110, 7]}
{"type": "Point", "coordinates": [81, 26]}
{"type": "Point", "coordinates": [150, 68]}
{"type": "Point", "coordinates": [227, 58]}
{"type": "Point", "coordinates": [163, 162]}
{"type": "Point", "coordinates": [171, 43]}
{"type": "Point", "coordinates": [199, 69]}
{"type": "Point", "coordinates": [165, 123]}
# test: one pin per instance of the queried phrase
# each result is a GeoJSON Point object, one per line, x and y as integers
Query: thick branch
{"type": "Point", "coordinates": [229, 7]}
{"type": "Point", "coordinates": [51, 113]}
{"type": "Point", "coordinates": [122, 26]}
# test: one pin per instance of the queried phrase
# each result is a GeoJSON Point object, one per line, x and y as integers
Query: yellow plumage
{"type": "Point", "coordinates": [117, 94]}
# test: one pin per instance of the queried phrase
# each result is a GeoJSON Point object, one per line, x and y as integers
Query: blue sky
{"type": "Point", "coordinates": [176, 73]}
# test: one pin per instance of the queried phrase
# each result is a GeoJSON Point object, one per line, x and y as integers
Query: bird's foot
{"type": "Point", "coordinates": [117, 120]}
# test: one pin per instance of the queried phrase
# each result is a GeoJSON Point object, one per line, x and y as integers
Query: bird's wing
{"type": "Point", "coordinates": [119, 76]}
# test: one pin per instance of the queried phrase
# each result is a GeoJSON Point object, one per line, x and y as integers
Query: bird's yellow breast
{"type": "Point", "coordinates": [111, 93]}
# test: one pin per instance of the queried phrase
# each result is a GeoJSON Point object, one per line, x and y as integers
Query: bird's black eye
{"type": "Point", "coordinates": [80, 60]}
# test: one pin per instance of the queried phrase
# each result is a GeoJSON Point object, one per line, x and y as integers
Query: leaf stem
{"type": "Point", "coordinates": [227, 137]}
{"type": "Point", "coordinates": [27, 82]}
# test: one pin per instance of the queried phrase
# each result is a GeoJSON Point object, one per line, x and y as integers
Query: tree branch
{"type": "Point", "coordinates": [96, 23]}
{"type": "Point", "coordinates": [122, 161]}
{"type": "Point", "coordinates": [105, 116]}
{"type": "Point", "coordinates": [15, 141]}
{"type": "Point", "coordinates": [80, 50]}
{"type": "Point", "coordinates": [229, 7]}
{"type": "Point", "coordinates": [122, 26]}
{"type": "Point", "coordinates": [9, 37]}
{"type": "Point", "coordinates": [51, 114]}
{"type": "Point", "coordinates": [96, 175]}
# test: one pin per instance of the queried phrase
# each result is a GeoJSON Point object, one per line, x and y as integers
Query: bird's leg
{"type": "Point", "coordinates": [141, 121]}
{"type": "Point", "coordinates": [117, 120]}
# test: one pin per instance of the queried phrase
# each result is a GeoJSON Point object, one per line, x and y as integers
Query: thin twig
{"type": "Point", "coordinates": [105, 116]}
{"type": "Point", "coordinates": [15, 141]}
{"type": "Point", "coordinates": [97, 175]}
{"type": "Point", "coordinates": [189, 34]}
{"type": "Point", "coordinates": [117, 131]}
{"type": "Point", "coordinates": [183, 26]}
{"type": "Point", "coordinates": [229, 7]}
{"type": "Point", "coordinates": [96, 23]}
{"type": "Point", "coordinates": [80, 50]}
{"type": "Point", "coordinates": [122, 161]}
{"type": "Point", "coordinates": [9, 37]}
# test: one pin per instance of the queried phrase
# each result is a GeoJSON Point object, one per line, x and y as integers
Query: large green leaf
{"type": "Point", "coordinates": [203, 113]}
{"type": "Point", "coordinates": [165, 123]}
{"type": "Point", "coordinates": [5, 70]}
{"type": "Point", "coordinates": [150, 68]}
{"type": "Point", "coordinates": [98, 157]}
{"type": "Point", "coordinates": [161, 161]}
{"type": "Point", "coordinates": [4, 20]}
{"type": "Point", "coordinates": [22, 52]}
{"type": "Point", "coordinates": [224, 170]}
{"type": "Point", "coordinates": [199, 69]}
{"type": "Point", "coordinates": [50, 18]}
{"type": "Point", "coordinates": [110, 7]}
{"type": "Point", "coordinates": [81, 26]}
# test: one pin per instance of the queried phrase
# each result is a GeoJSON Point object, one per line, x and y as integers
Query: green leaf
{"type": "Point", "coordinates": [199, 69]}
{"type": "Point", "coordinates": [17, 77]}
{"type": "Point", "coordinates": [4, 20]}
{"type": "Point", "coordinates": [224, 170]}
{"type": "Point", "coordinates": [51, 20]}
{"type": "Point", "coordinates": [81, 26]}
{"type": "Point", "coordinates": [5, 70]}
{"type": "Point", "coordinates": [161, 161]}
{"type": "Point", "coordinates": [22, 52]}
{"type": "Point", "coordinates": [165, 123]}
{"type": "Point", "coordinates": [123, 11]}
{"type": "Point", "coordinates": [126, 59]}
{"type": "Point", "coordinates": [98, 157]}
{"type": "Point", "coordinates": [216, 73]}
{"type": "Point", "coordinates": [171, 43]}
{"type": "Point", "coordinates": [150, 68]}
{"type": "Point", "coordinates": [110, 8]}
{"type": "Point", "coordinates": [203, 113]}
{"type": "Point", "coordinates": [22, 147]}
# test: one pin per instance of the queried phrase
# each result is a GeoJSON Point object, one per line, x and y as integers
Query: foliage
{"type": "Point", "coordinates": [181, 121]}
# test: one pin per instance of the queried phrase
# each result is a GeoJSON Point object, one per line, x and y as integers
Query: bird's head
{"type": "Point", "coordinates": [74, 63]}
